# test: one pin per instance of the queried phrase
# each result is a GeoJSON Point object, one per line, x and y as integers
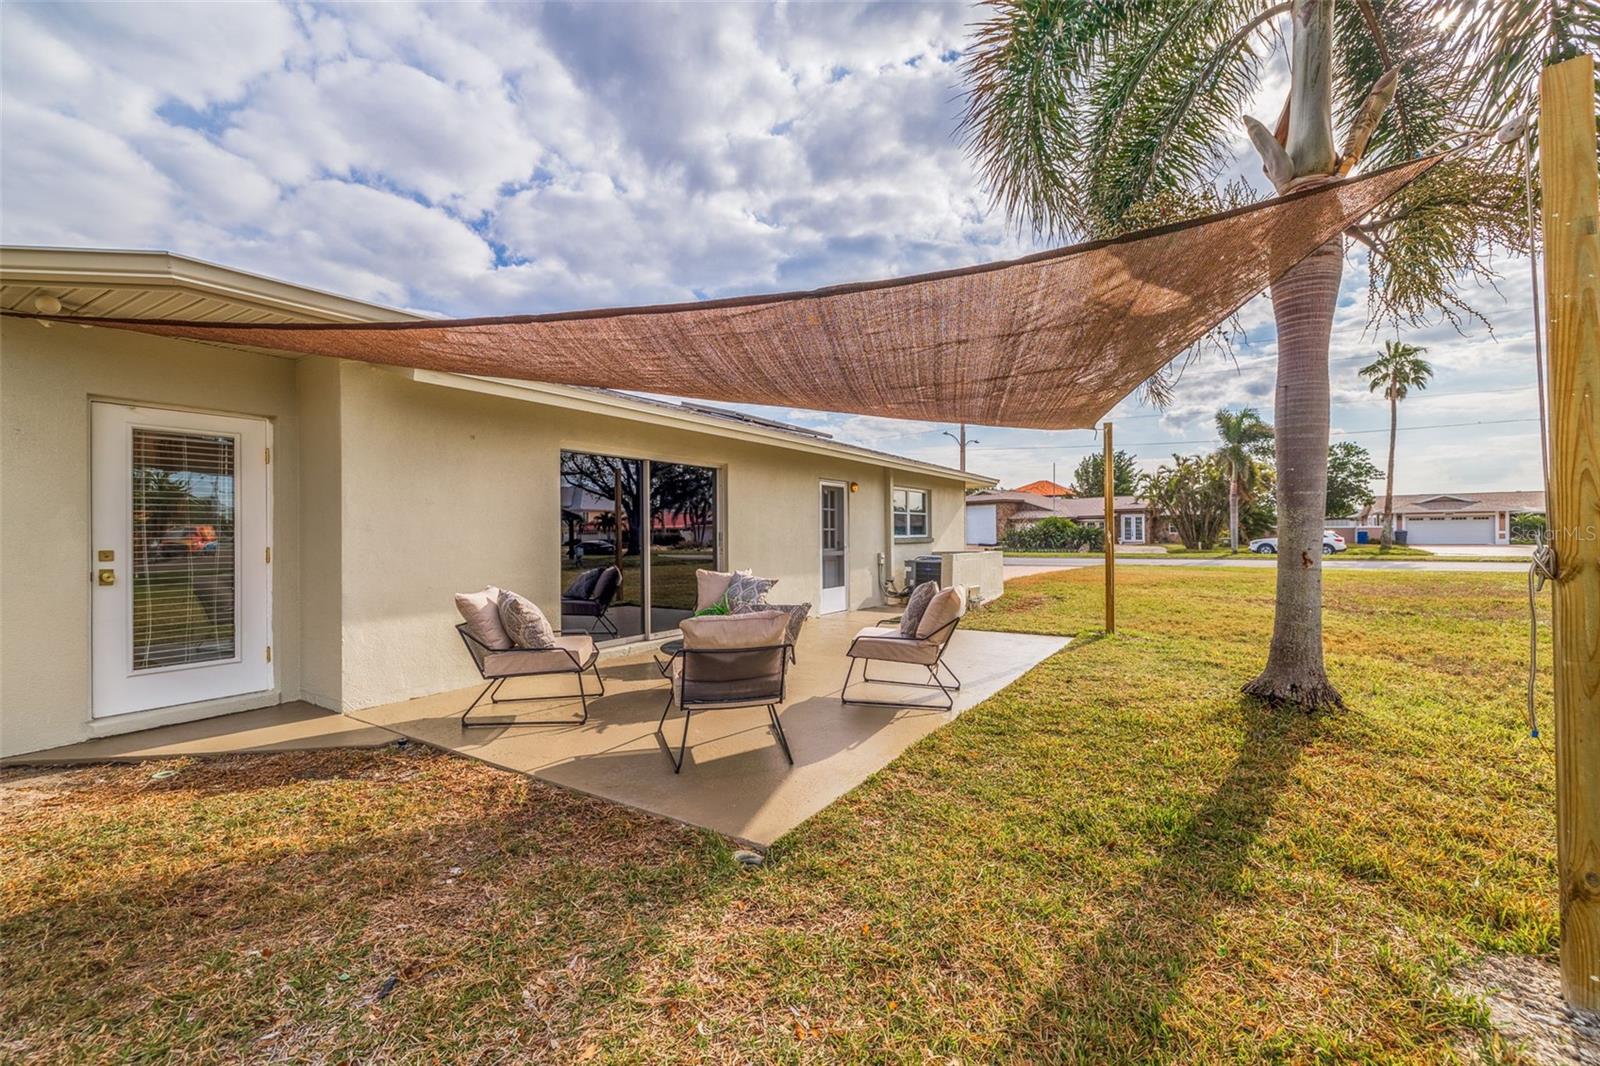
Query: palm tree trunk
{"type": "Point", "coordinates": [1386, 540]}
{"type": "Point", "coordinates": [1233, 508]}
{"type": "Point", "coordinates": [1303, 302]}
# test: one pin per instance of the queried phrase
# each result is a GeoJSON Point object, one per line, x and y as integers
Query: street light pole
{"type": "Point", "coordinates": [962, 443]}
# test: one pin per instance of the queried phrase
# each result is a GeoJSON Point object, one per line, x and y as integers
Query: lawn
{"type": "Point", "coordinates": [1117, 859]}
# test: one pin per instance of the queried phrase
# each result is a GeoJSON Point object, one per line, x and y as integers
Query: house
{"type": "Point", "coordinates": [990, 515]}
{"type": "Point", "coordinates": [193, 529]}
{"type": "Point", "coordinates": [1453, 518]}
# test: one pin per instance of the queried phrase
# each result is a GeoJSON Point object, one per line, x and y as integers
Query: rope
{"type": "Point", "coordinates": [1542, 568]}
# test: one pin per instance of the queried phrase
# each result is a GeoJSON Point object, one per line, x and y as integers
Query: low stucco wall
{"type": "Point", "coordinates": [48, 379]}
{"type": "Point", "coordinates": [445, 490]}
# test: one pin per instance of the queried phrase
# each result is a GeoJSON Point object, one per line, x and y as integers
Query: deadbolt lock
{"type": "Point", "coordinates": [107, 577]}
{"type": "Point", "coordinates": [107, 555]}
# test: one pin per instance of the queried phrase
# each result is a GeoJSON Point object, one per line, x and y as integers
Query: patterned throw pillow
{"type": "Point", "coordinates": [921, 596]}
{"type": "Point", "coordinates": [524, 623]}
{"type": "Point", "coordinates": [747, 593]}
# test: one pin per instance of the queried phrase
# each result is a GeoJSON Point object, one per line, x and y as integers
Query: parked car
{"type": "Point", "coordinates": [1331, 542]}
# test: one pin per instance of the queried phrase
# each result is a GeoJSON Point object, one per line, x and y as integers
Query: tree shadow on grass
{"type": "Point", "coordinates": [1110, 1002]}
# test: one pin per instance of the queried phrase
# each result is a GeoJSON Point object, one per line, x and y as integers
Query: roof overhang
{"type": "Point", "coordinates": [102, 283]}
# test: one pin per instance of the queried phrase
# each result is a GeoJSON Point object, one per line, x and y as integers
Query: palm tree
{"type": "Point", "coordinates": [1398, 370]}
{"type": "Point", "coordinates": [1090, 119]}
{"type": "Point", "coordinates": [1243, 435]}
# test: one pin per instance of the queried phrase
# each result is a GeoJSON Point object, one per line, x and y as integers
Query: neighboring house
{"type": "Point", "coordinates": [990, 515]}
{"type": "Point", "coordinates": [191, 529]}
{"type": "Point", "coordinates": [1452, 518]}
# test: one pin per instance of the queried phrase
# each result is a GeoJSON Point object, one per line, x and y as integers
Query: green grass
{"type": "Point", "coordinates": [1117, 859]}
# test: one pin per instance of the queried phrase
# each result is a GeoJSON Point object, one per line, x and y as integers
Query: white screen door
{"type": "Point", "coordinates": [835, 595]}
{"type": "Point", "coordinates": [179, 562]}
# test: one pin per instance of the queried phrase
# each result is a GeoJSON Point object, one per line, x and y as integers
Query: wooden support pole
{"type": "Point", "coordinates": [1572, 302]}
{"type": "Point", "coordinates": [1111, 534]}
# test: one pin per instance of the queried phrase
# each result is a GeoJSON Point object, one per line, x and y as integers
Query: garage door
{"type": "Point", "coordinates": [1474, 529]}
{"type": "Point", "coordinates": [981, 524]}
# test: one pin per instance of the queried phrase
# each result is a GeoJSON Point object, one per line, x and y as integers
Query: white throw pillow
{"type": "Point", "coordinates": [481, 612]}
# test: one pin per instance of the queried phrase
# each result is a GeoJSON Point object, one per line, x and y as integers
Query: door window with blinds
{"type": "Point", "coordinates": [182, 512]}
{"type": "Point", "coordinates": [181, 559]}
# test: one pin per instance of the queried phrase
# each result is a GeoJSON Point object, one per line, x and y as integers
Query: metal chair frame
{"type": "Point", "coordinates": [935, 681]}
{"type": "Point", "coordinates": [494, 684]}
{"type": "Point", "coordinates": [689, 706]}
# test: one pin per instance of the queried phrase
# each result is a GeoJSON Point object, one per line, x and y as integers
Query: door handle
{"type": "Point", "coordinates": [106, 577]}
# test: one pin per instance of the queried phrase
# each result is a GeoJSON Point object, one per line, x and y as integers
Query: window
{"type": "Point", "coordinates": [910, 513]}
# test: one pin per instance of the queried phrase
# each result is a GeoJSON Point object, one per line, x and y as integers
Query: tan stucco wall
{"type": "Point", "coordinates": [317, 386]}
{"type": "Point", "coordinates": [48, 377]}
{"type": "Point", "coordinates": [447, 490]}
{"type": "Point", "coordinates": [389, 495]}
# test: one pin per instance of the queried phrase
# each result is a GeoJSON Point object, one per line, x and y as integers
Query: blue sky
{"type": "Point", "coordinates": [471, 159]}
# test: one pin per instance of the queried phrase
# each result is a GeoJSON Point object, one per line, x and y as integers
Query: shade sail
{"type": "Point", "coordinates": [1050, 341]}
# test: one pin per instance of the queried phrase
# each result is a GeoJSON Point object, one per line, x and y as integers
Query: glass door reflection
{"type": "Point", "coordinates": [683, 539]}
{"type": "Point", "coordinates": [602, 509]}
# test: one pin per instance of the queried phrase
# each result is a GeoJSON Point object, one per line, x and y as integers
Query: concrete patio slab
{"type": "Point", "coordinates": [735, 779]}
{"type": "Point", "coordinates": [286, 727]}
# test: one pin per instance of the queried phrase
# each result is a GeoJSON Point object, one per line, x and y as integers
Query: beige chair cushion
{"type": "Point", "coordinates": [885, 643]}
{"type": "Point", "coordinates": [753, 629]}
{"type": "Point", "coordinates": [547, 661]}
{"type": "Point", "coordinates": [481, 612]}
{"type": "Point", "coordinates": [945, 607]}
{"type": "Point", "coordinates": [711, 586]}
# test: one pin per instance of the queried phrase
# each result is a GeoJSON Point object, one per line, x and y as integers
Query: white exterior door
{"type": "Point", "coordinates": [1131, 529]}
{"type": "Point", "coordinates": [835, 572]}
{"type": "Point", "coordinates": [1439, 529]}
{"type": "Point", "coordinates": [180, 559]}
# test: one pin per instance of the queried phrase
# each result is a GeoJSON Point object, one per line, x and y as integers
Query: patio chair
{"type": "Point", "coordinates": [885, 643]}
{"type": "Point", "coordinates": [597, 604]}
{"type": "Point", "coordinates": [728, 662]}
{"type": "Point", "coordinates": [574, 653]}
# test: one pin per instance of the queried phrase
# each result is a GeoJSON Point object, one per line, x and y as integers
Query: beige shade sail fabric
{"type": "Point", "coordinates": [1050, 341]}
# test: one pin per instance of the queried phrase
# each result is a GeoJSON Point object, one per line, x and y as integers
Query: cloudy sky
{"type": "Point", "coordinates": [467, 160]}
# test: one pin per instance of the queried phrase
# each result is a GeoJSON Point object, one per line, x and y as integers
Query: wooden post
{"type": "Point", "coordinates": [1572, 303]}
{"type": "Point", "coordinates": [1111, 535]}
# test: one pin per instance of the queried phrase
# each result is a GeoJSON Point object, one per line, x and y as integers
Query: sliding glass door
{"type": "Point", "coordinates": [683, 538]}
{"type": "Point", "coordinates": [602, 506]}
{"type": "Point", "coordinates": [654, 522]}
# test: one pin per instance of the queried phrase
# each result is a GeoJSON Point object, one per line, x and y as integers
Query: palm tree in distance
{"type": "Point", "coordinates": [1243, 436]}
{"type": "Point", "coordinates": [1397, 371]}
{"type": "Point", "coordinates": [1093, 119]}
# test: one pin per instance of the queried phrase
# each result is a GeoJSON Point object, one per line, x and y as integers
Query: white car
{"type": "Point", "coordinates": [1331, 542]}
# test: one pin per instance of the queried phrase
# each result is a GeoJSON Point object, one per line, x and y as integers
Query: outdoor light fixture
{"type": "Point", "coordinates": [854, 486]}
